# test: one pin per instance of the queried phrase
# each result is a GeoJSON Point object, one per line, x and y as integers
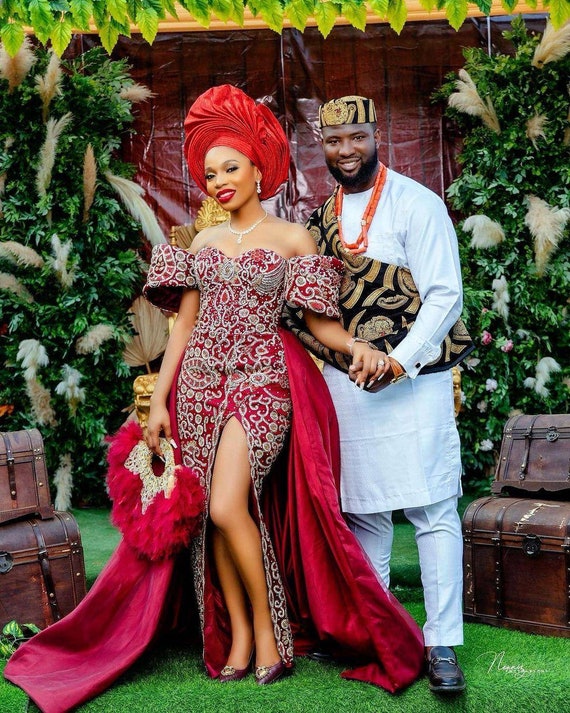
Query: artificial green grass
{"type": "Point", "coordinates": [507, 671]}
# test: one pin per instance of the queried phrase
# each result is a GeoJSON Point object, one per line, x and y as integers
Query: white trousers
{"type": "Point", "coordinates": [440, 547]}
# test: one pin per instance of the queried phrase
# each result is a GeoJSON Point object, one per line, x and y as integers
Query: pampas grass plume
{"type": "Point", "coordinates": [40, 400]}
{"type": "Point", "coordinates": [136, 93]}
{"type": "Point", "coordinates": [14, 69]}
{"type": "Point", "coordinates": [9, 283]}
{"type": "Point", "coordinates": [131, 195]}
{"type": "Point", "coordinates": [20, 254]}
{"type": "Point", "coordinates": [94, 338]}
{"type": "Point", "coordinates": [33, 355]}
{"type": "Point", "coordinates": [554, 45]}
{"type": "Point", "coordinates": [546, 225]}
{"type": "Point", "coordinates": [535, 128]}
{"type": "Point", "coordinates": [69, 387]}
{"type": "Point", "coordinates": [54, 129]}
{"type": "Point", "coordinates": [59, 261]}
{"type": "Point", "coordinates": [486, 233]}
{"type": "Point", "coordinates": [89, 180]}
{"type": "Point", "coordinates": [49, 85]}
{"type": "Point", "coordinates": [468, 100]}
{"type": "Point", "coordinates": [544, 369]}
{"type": "Point", "coordinates": [501, 297]}
{"type": "Point", "coordinates": [63, 480]}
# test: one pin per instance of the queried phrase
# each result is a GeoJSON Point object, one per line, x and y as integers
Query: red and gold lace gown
{"type": "Point", "coordinates": [322, 590]}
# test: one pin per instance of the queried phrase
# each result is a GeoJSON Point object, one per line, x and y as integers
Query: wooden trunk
{"type": "Point", "coordinates": [516, 561]}
{"type": "Point", "coordinates": [24, 487]}
{"type": "Point", "coordinates": [42, 571]}
{"type": "Point", "coordinates": [535, 456]}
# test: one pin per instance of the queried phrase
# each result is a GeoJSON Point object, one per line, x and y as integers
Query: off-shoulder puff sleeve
{"type": "Point", "coordinates": [171, 272]}
{"type": "Point", "coordinates": [313, 282]}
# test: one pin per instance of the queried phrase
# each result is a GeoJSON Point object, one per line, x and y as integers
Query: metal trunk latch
{"type": "Point", "coordinates": [531, 545]}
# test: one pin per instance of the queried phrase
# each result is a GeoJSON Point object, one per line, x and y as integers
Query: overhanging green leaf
{"type": "Point", "coordinates": [12, 36]}
{"type": "Point", "coordinates": [147, 21]}
{"type": "Point", "coordinates": [457, 12]}
{"type": "Point", "coordinates": [298, 12]}
{"type": "Point", "coordinates": [355, 13]}
{"type": "Point", "coordinates": [397, 14]}
{"type": "Point", "coordinates": [82, 11]}
{"type": "Point", "coordinates": [61, 34]}
{"type": "Point", "coordinates": [325, 15]}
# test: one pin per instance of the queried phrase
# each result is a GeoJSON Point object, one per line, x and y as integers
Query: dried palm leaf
{"type": "Point", "coordinates": [151, 328]}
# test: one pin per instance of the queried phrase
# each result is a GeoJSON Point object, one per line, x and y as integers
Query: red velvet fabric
{"type": "Point", "coordinates": [334, 597]}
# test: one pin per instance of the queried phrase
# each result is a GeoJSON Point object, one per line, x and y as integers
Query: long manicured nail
{"type": "Point", "coordinates": [173, 443]}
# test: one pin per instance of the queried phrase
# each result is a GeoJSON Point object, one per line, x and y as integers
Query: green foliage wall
{"type": "Point", "coordinates": [69, 267]}
{"type": "Point", "coordinates": [514, 196]}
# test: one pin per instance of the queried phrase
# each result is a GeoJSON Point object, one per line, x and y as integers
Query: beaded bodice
{"type": "Point", "coordinates": [240, 309]}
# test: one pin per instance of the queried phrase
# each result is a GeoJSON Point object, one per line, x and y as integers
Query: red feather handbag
{"type": "Point", "coordinates": [157, 506]}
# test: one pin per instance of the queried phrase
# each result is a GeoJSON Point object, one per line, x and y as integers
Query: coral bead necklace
{"type": "Point", "coordinates": [361, 243]}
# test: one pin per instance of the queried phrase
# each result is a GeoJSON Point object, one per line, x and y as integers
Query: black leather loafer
{"type": "Point", "coordinates": [444, 673]}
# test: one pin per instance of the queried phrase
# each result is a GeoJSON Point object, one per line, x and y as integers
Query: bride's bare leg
{"type": "Point", "coordinates": [236, 602]}
{"type": "Point", "coordinates": [229, 513]}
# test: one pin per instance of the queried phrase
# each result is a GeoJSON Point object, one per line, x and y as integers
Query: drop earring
{"type": "Point", "coordinates": [258, 184]}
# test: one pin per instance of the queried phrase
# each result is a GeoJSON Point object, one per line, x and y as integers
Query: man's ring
{"type": "Point", "coordinates": [381, 363]}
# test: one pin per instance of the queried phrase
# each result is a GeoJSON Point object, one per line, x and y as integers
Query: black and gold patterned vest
{"type": "Point", "coordinates": [379, 302]}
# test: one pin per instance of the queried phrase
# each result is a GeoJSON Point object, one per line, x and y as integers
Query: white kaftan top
{"type": "Point", "coordinates": [400, 447]}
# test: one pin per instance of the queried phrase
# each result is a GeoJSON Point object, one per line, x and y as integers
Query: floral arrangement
{"type": "Point", "coordinates": [71, 225]}
{"type": "Point", "coordinates": [513, 197]}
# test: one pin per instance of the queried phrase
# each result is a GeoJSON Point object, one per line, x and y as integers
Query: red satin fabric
{"type": "Point", "coordinates": [334, 596]}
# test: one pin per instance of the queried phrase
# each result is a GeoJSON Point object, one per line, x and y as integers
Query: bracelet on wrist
{"type": "Point", "coordinates": [353, 341]}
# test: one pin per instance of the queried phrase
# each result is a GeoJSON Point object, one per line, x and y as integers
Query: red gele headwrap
{"type": "Point", "coordinates": [226, 116]}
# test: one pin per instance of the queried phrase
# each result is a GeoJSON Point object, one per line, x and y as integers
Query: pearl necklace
{"type": "Point", "coordinates": [241, 233]}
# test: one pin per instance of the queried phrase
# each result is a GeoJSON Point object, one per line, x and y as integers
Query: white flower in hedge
{"type": "Point", "coordinates": [486, 445]}
{"type": "Point", "coordinates": [69, 387]}
{"type": "Point", "coordinates": [501, 297]}
{"type": "Point", "coordinates": [482, 406]}
{"type": "Point", "coordinates": [33, 355]}
{"type": "Point", "coordinates": [491, 385]}
{"type": "Point", "coordinates": [544, 370]}
{"type": "Point", "coordinates": [486, 233]}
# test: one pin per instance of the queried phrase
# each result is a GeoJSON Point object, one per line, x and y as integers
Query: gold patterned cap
{"type": "Point", "coordinates": [347, 110]}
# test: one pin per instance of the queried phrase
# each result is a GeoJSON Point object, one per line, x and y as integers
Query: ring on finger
{"type": "Point", "coordinates": [381, 363]}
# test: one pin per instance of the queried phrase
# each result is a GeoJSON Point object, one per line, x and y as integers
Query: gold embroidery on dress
{"type": "Point", "coordinates": [139, 462]}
